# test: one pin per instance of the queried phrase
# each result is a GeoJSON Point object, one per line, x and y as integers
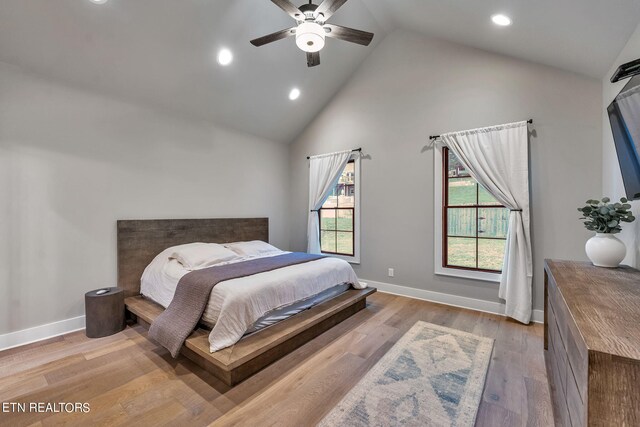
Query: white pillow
{"type": "Point", "coordinates": [194, 256]}
{"type": "Point", "coordinates": [253, 248]}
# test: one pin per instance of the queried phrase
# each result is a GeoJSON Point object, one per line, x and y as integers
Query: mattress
{"type": "Point", "coordinates": [283, 313]}
{"type": "Point", "coordinates": [245, 305]}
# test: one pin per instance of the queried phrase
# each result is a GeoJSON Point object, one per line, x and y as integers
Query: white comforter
{"type": "Point", "coordinates": [235, 305]}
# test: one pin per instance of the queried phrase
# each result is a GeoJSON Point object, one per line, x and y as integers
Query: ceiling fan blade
{"type": "Point", "coordinates": [328, 8]}
{"type": "Point", "coordinates": [348, 34]}
{"type": "Point", "coordinates": [313, 59]}
{"type": "Point", "coordinates": [279, 35]}
{"type": "Point", "coordinates": [288, 7]}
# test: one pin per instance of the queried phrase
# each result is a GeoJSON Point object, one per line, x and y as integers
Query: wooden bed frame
{"type": "Point", "coordinates": [139, 241]}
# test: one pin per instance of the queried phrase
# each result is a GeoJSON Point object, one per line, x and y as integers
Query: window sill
{"type": "Point", "coordinates": [349, 259]}
{"type": "Point", "coordinates": [467, 274]}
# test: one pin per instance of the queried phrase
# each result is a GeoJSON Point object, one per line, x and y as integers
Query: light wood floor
{"type": "Point", "coordinates": [127, 380]}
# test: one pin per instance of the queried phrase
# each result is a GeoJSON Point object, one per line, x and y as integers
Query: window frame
{"type": "Point", "coordinates": [355, 259]}
{"type": "Point", "coordinates": [441, 218]}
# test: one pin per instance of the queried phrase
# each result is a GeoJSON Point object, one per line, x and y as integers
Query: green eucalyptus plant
{"type": "Point", "coordinates": [604, 217]}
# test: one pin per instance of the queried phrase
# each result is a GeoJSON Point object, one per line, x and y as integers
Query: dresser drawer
{"type": "Point", "coordinates": [575, 405]}
{"type": "Point", "coordinates": [559, 308]}
{"type": "Point", "coordinates": [572, 341]}
{"type": "Point", "coordinates": [551, 320]}
{"type": "Point", "coordinates": [578, 360]}
{"type": "Point", "coordinates": [552, 331]}
{"type": "Point", "coordinates": [560, 406]}
{"type": "Point", "coordinates": [558, 352]}
{"type": "Point", "coordinates": [560, 357]}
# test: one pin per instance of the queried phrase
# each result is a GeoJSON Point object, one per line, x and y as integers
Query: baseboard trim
{"type": "Point", "coordinates": [42, 332]}
{"type": "Point", "coordinates": [453, 300]}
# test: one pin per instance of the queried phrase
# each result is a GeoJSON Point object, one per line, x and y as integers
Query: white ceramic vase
{"type": "Point", "coordinates": [605, 250]}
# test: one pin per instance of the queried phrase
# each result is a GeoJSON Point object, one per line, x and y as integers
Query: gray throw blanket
{"type": "Point", "coordinates": [175, 324]}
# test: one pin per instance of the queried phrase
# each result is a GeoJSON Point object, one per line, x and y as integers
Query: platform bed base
{"type": "Point", "coordinates": [254, 352]}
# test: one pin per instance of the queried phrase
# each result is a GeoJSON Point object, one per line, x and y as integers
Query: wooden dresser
{"type": "Point", "coordinates": [592, 343]}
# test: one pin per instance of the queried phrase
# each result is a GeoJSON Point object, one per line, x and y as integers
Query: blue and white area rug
{"type": "Point", "coordinates": [433, 376]}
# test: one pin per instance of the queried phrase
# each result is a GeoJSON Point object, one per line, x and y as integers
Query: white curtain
{"type": "Point", "coordinates": [324, 173]}
{"type": "Point", "coordinates": [498, 158]}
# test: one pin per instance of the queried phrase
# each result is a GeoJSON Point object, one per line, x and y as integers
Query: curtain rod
{"type": "Point", "coordinates": [432, 137]}
{"type": "Point", "coordinates": [353, 151]}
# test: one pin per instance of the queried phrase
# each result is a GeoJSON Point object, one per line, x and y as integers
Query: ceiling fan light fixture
{"type": "Point", "coordinates": [310, 37]}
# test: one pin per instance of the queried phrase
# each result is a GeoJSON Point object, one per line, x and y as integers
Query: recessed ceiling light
{"type": "Point", "coordinates": [501, 20]}
{"type": "Point", "coordinates": [99, 1]}
{"type": "Point", "coordinates": [294, 94]}
{"type": "Point", "coordinates": [225, 57]}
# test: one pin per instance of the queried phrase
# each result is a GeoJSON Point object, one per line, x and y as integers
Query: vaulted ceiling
{"type": "Point", "coordinates": [162, 52]}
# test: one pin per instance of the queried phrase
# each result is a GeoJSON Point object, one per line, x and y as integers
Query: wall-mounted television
{"type": "Point", "coordinates": [624, 116]}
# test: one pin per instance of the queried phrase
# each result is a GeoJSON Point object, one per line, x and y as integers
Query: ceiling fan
{"type": "Point", "coordinates": [311, 28]}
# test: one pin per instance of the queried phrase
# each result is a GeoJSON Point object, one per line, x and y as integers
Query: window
{"type": "Point", "coordinates": [473, 224]}
{"type": "Point", "coordinates": [339, 216]}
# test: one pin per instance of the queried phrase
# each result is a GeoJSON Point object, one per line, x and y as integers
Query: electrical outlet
{"type": "Point", "coordinates": [391, 272]}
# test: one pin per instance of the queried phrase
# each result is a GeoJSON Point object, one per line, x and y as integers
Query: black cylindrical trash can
{"type": "Point", "coordinates": [104, 312]}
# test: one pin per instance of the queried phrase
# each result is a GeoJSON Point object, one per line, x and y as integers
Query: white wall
{"type": "Point", "coordinates": [72, 163]}
{"type": "Point", "coordinates": [411, 87]}
{"type": "Point", "coordinates": [612, 185]}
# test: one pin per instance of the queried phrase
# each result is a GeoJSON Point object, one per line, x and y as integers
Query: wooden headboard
{"type": "Point", "coordinates": [139, 241]}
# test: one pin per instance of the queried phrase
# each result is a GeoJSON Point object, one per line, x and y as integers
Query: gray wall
{"type": "Point", "coordinates": [612, 185]}
{"type": "Point", "coordinates": [411, 87]}
{"type": "Point", "coordinates": [72, 163]}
